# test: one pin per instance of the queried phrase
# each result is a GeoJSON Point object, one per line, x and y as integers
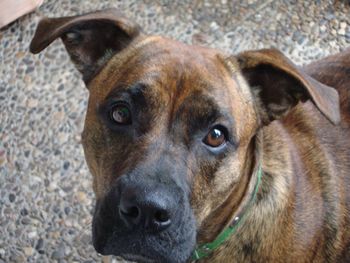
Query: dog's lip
{"type": "Point", "coordinates": [137, 258]}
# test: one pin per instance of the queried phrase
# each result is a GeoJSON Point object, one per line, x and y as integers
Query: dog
{"type": "Point", "coordinates": [197, 154]}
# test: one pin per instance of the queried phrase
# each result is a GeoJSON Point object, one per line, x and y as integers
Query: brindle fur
{"type": "Point", "coordinates": [302, 209]}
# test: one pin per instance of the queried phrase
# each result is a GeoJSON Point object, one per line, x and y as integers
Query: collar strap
{"type": "Point", "coordinates": [204, 250]}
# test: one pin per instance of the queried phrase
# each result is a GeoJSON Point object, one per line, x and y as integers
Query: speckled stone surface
{"type": "Point", "coordinates": [46, 200]}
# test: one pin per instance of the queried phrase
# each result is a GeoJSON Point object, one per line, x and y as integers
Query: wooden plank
{"type": "Point", "coordinates": [10, 10]}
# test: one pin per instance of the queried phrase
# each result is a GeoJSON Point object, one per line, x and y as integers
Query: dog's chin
{"type": "Point", "coordinates": [140, 258]}
{"type": "Point", "coordinates": [137, 258]}
{"type": "Point", "coordinates": [149, 249]}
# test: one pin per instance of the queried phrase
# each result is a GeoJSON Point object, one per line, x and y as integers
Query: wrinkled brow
{"type": "Point", "coordinates": [199, 112]}
{"type": "Point", "coordinates": [135, 91]}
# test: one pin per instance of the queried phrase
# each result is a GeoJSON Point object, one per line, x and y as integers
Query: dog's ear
{"type": "Point", "coordinates": [90, 39]}
{"type": "Point", "coordinates": [279, 85]}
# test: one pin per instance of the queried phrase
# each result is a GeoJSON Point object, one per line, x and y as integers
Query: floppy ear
{"type": "Point", "coordinates": [90, 39]}
{"type": "Point", "coordinates": [279, 85]}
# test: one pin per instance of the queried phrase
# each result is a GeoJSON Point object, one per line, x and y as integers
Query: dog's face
{"type": "Point", "coordinates": [163, 138]}
{"type": "Point", "coordinates": [169, 133]}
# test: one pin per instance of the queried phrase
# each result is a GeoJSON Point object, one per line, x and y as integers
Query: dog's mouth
{"type": "Point", "coordinates": [148, 248]}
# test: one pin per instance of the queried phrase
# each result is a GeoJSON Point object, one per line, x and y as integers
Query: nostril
{"type": "Point", "coordinates": [132, 211]}
{"type": "Point", "coordinates": [162, 216]}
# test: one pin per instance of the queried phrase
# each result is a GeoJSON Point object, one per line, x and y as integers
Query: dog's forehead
{"type": "Point", "coordinates": [162, 60]}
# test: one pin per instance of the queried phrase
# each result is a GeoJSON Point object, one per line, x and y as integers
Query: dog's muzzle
{"type": "Point", "coordinates": [145, 220]}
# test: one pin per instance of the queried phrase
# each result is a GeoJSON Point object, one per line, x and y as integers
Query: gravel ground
{"type": "Point", "coordinates": [46, 199]}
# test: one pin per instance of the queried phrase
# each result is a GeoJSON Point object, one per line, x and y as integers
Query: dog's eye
{"type": "Point", "coordinates": [216, 136]}
{"type": "Point", "coordinates": [120, 114]}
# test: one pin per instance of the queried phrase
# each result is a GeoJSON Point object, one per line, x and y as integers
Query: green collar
{"type": "Point", "coordinates": [204, 250]}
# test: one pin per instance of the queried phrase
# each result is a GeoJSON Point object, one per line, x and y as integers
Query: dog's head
{"type": "Point", "coordinates": [170, 130]}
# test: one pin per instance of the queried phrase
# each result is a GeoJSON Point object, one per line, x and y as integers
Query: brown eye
{"type": "Point", "coordinates": [120, 114]}
{"type": "Point", "coordinates": [215, 137]}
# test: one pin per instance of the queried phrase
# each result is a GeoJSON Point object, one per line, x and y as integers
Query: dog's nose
{"type": "Point", "coordinates": [150, 210]}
